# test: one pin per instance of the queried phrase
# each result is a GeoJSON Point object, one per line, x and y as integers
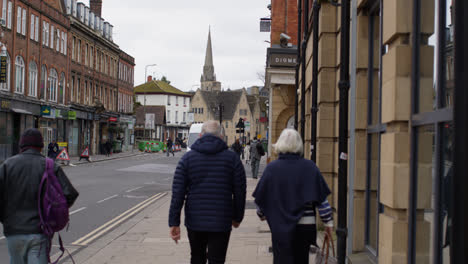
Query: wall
{"type": "Point", "coordinates": [284, 14]}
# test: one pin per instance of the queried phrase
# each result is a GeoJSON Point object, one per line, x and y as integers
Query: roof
{"type": "Point", "coordinates": [229, 99]}
{"type": "Point", "coordinates": [158, 111]}
{"type": "Point", "coordinates": [158, 87]}
{"type": "Point", "coordinates": [252, 100]}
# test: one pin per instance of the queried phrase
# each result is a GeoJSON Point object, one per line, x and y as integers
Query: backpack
{"type": "Point", "coordinates": [52, 207]}
{"type": "Point", "coordinates": [260, 149]}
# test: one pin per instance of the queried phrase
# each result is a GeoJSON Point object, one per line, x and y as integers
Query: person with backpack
{"type": "Point", "coordinates": [256, 153]}
{"type": "Point", "coordinates": [169, 147]}
{"type": "Point", "coordinates": [27, 182]}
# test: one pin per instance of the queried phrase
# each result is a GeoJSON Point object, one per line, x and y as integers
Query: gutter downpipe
{"type": "Point", "coordinates": [314, 109]}
{"type": "Point", "coordinates": [304, 66]}
{"type": "Point", "coordinates": [299, 27]}
{"type": "Point", "coordinates": [342, 230]}
{"type": "Point", "coordinates": [352, 125]}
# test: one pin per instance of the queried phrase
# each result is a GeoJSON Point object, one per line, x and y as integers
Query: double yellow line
{"type": "Point", "coordinates": [84, 241]}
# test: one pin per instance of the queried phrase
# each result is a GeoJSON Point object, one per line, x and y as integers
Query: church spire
{"type": "Point", "coordinates": [209, 51]}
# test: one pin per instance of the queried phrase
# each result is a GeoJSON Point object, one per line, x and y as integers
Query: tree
{"type": "Point", "coordinates": [261, 77]}
{"type": "Point", "coordinates": [164, 79]}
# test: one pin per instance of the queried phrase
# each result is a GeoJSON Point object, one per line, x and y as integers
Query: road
{"type": "Point", "coordinates": [110, 192]}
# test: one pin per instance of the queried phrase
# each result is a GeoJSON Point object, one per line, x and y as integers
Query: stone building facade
{"type": "Point", "coordinates": [397, 122]}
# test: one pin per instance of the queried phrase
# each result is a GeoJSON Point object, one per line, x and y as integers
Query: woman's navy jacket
{"type": "Point", "coordinates": [211, 181]}
{"type": "Point", "coordinates": [286, 186]}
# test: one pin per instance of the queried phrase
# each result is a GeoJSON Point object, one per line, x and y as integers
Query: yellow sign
{"type": "Point", "coordinates": [259, 136]}
{"type": "Point", "coordinates": [62, 144]}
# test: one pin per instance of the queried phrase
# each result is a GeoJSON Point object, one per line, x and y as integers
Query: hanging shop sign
{"type": "Point", "coordinates": [48, 112]}
{"type": "Point", "coordinates": [112, 119]}
{"type": "Point", "coordinates": [3, 69]}
{"type": "Point", "coordinates": [5, 104]}
{"type": "Point", "coordinates": [71, 115]}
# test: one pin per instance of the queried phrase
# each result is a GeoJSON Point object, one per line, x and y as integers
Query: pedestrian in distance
{"type": "Point", "coordinates": [247, 153]}
{"type": "Point", "coordinates": [210, 181]}
{"type": "Point", "coordinates": [169, 145]}
{"type": "Point", "coordinates": [108, 147]}
{"type": "Point", "coordinates": [20, 180]}
{"type": "Point", "coordinates": [256, 153]}
{"type": "Point", "coordinates": [236, 147]}
{"type": "Point", "coordinates": [53, 149]}
{"type": "Point", "coordinates": [288, 195]}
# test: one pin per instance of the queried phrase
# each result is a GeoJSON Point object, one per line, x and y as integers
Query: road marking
{"type": "Point", "coordinates": [2, 237]}
{"type": "Point", "coordinates": [108, 198]}
{"type": "Point", "coordinates": [134, 189]}
{"type": "Point", "coordinates": [135, 197]}
{"type": "Point", "coordinates": [116, 221]}
{"type": "Point", "coordinates": [77, 210]}
{"type": "Point", "coordinates": [149, 183]}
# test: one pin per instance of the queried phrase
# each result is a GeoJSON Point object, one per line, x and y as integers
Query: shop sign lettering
{"type": "Point", "coordinates": [5, 104]}
{"type": "Point", "coordinates": [3, 69]}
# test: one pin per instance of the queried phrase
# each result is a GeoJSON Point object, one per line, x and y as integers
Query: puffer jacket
{"type": "Point", "coordinates": [211, 181]}
{"type": "Point", "coordinates": [254, 155]}
{"type": "Point", "coordinates": [20, 177]}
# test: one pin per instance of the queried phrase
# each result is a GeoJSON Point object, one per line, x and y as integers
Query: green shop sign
{"type": "Point", "coordinates": [71, 115]}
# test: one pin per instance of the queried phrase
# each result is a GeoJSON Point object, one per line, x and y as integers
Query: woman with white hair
{"type": "Point", "coordinates": [287, 196]}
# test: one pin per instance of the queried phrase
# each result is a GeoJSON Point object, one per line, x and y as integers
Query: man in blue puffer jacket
{"type": "Point", "coordinates": [211, 181]}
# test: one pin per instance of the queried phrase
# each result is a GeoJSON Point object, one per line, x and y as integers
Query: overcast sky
{"type": "Point", "coordinates": [173, 35]}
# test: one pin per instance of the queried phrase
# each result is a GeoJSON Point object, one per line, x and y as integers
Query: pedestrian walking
{"type": "Point", "coordinates": [53, 149]}
{"type": "Point", "coordinates": [108, 146]}
{"type": "Point", "coordinates": [169, 145]}
{"type": "Point", "coordinates": [210, 181]}
{"type": "Point", "coordinates": [287, 196]}
{"type": "Point", "coordinates": [20, 178]}
{"type": "Point", "coordinates": [256, 153]}
{"type": "Point", "coordinates": [236, 147]}
{"type": "Point", "coordinates": [247, 153]}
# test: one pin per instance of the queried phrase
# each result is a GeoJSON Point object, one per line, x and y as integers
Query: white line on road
{"type": "Point", "coordinates": [149, 183]}
{"type": "Point", "coordinates": [77, 210]}
{"type": "Point", "coordinates": [108, 198]}
{"type": "Point", "coordinates": [134, 189]}
{"type": "Point", "coordinates": [116, 221]}
{"type": "Point", "coordinates": [2, 237]}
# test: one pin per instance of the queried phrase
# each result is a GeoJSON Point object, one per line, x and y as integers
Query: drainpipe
{"type": "Point", "coordinates": [299, 27]}
{"type": "Point", "coordinates": [352, 125]}
{"type": "Point", "coordinates": [458, 243]}
{"type": "Point", "coordinates": [314, 109]}
{"type": "Point", "coordinates": [343, 85]}
{"type": "Point", "coordinates": [304, 66]}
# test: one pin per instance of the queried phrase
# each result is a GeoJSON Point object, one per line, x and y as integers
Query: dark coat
{"type": "Point", "coordinates": [53, 149]}
{"type": "Point", "coordinates": [237, 148]}
{"type": "Point", "coordinates": [169, 144]}
{"type": "Point", "coordinates": [20, 177]}
{"type": "Point", "coordinates": [286, 186]}
{"type": "Point", "coordinates": [211, 181]}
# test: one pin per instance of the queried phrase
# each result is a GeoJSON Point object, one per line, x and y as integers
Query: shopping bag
{"type": "Point", "coordinates": [323, 255]}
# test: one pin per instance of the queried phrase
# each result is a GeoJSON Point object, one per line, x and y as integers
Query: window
{"type": "Point", "coordinates": [177, 100]}
{"type": "Point", "coordinates": [18, 21]}
{"type": "Point", "coordinates": [61, 91]}
{"type": "Point", "coordinates": [6, 85]}
{"type": "Point", "coordinates": [4, 10]}
{"type": "Point", "coordinates": [65, 44]}
{"type": "Point", "coordinates": [78, 90]}
{"type": "Point", "coordinates": [91, 57]}
{"type": "Point", "coordinates": [52, 31]}
{"type": "Point", "coordinates": [43, 32]}
{"type": "Point", "coordinates": [168, 116]}
{"type": "Point", "coordinates": [10, 8]}
{"type": "Point", "coordinates": [72, 88]}
{"type": "Point", "coordinates": [73, 48]}
{"type": "Point", "coordinates": [43, 87]}
{"type": "Point", "coordinates": [23, 25]}
{"type": "Point", "coordinates": [53, 84]}
{"type": "Point", "coordinates": [177, 117]}
{"type": "Point", "coordinates": [227, 124]}
{"type": "Point", "coordinates": [86, 54]}
{"type": "Point", "coordinates": [36, 30]}
{"type": "Point", "coordinates": [183, 116]}
{"type": "Point", "coordinates": [31, 31]}
{"type": "Point", "coordinates": [19, 71]}
{"type": "Point", "coordinates": [201, 110]}
{"type": "Point", "coordinates": [57, 45]}
{"type": "Point", "coordinates": [62, 47]}
{"type": "Point", "coordinates": [32, 79]}
{"type": "Point", "coordinates": [185, 101]}
{"type": "Point", "coordinates": [168, 100]}
{"type": "Point", "coordinates": [79, 51]}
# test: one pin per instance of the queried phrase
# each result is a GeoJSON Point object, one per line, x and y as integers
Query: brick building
{"type": "Point", "coordinates": [401, 130]}
{"type": "Point", "coordinates": [34, 93]}
{"type": "Point", "coordinates": [61, 76]}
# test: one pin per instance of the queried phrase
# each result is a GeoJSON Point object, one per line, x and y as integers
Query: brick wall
{"type": "Point", "coordinates": [284, 20]}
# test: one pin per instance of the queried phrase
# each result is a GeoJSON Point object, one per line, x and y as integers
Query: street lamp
{"type": "Point", "coordinates": [144, 96]}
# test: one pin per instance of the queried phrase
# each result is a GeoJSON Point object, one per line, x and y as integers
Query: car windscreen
{"type": "Point", "coordinates": [192, 138]}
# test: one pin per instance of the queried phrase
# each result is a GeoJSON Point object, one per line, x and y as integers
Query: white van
{"type": "Point", "coordinates": [194, 134]}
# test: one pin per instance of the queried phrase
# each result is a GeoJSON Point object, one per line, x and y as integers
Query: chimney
{"type": "Point", "coordinates": [150, 78]}
{"type": "Point", "coordinates": [96, 6]}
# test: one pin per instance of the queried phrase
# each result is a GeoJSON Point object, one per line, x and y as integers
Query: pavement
{"type": "Point", "coordinates": [144, 238]}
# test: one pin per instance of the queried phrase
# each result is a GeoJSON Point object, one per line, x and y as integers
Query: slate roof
{"type": "Point", "coordinates": [252, 99]}
{"type": "Point", "coordinates": [158, 111]}
{"type": "Point", "coordinates": [158, 87]}
{"type": "Point", "coordinates": [229, 99]}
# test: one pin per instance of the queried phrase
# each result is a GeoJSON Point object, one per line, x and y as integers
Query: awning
{"type": "Point", "coordinates": [21, 111]}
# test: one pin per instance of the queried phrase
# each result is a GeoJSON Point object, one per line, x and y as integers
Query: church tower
{"type": "Point", "coordinates": [208, 79]}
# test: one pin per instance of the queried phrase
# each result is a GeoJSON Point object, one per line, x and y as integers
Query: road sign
{"type": "Point", "coordinates": [63, 155]}
{"type": "Point", "coordinates": [85, 153]}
